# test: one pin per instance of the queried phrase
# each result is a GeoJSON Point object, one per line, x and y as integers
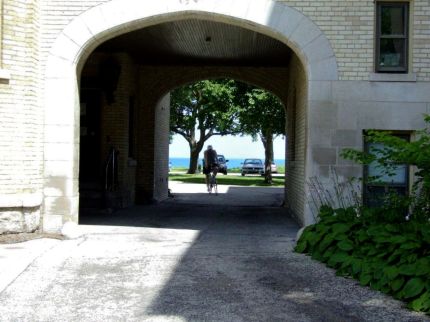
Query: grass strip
{"type": "Point", "coordinates": [252, 181]}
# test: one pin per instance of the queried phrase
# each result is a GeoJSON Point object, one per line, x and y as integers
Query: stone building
{"type": "Point", "coordinates": [82, 78]}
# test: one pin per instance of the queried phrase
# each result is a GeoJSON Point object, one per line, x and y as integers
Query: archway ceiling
{"type": "Point", "coordinates": [200, 42]}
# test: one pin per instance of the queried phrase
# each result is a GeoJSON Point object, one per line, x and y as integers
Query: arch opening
{"type": "Point", "coordinates": [292, 73]}
{"type": "Point", "coordinates": [127, 80]}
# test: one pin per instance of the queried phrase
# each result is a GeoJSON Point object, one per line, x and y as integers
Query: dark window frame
{"type": "Point", "coordinates": [367, 197]}
{"type": "Point", "coordinates": [400, 69]}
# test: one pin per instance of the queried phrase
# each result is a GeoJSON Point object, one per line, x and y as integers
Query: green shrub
{"type": "Point", "coordinates": [386, 248]}
{"type": "Point", "coordinates": [394, 151]}
{"type": "Point", "coordinates": [389, 257]}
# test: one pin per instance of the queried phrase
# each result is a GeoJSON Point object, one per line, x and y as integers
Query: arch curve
{"type": "Point", "coordinates": [268, 17]}
{"type": "Point", "coordinates": [102, 22]}
{"type": "Point", "coordinates": [259, 77]}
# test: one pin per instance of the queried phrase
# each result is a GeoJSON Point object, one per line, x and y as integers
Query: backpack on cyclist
{"type": "Point", "coordinates": [211, 157]}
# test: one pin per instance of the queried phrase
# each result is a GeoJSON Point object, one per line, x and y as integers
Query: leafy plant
{"type": "Point", "coordinates": [381, 247]}
{"type": "Point", "coordinates": [391, 258]}
{"type": "Point", "coordinates": [391, 151]}
{"type": "Point", "coordinates": [340, 194]}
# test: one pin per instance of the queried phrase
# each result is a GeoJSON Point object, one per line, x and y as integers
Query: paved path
{"type": "Point", "coordinates": [176, 262]}
{"type": "Point", "coordinates": [196, 194]}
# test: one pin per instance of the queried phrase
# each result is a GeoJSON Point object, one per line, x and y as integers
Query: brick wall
{"type": "Point", "coordinates": [421, 39]}
{"type": "Point", "coordinates": [154, 83]}
{"type": "Point", "coordinates": [115, 125]}
{"type": "Point", "coordinates": [295, 195]}
{"type": "Point", "coordinates": [21, 119]}
{"type": "Point", "coordinates": [350, 27]}
{"type": "Point", "coordinates": [114, 119]}
{"type": "Point", "coordinates": [20, 113]}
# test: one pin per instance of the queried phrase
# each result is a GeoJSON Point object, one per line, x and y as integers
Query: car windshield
{"type": "Point", "coordinates": [253, 161]}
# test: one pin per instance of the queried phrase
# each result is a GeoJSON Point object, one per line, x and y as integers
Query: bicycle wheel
{"type": "Point", "coordinates": [212, 184]}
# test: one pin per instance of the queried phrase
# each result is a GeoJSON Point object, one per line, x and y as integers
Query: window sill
{"type": "Point", "coordinates": [386, 77]}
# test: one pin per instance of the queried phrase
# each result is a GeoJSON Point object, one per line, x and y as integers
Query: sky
{"type": "Point", "coordinates": [233, 147]}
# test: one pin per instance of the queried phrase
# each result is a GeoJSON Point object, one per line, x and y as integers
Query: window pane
{"type": "Point", "coordinates": [392, 20]}
{"type": "Point", "coordinates": [375, 195]}
{"type": "Point", "coordinates": [399, 172]}
{"type": "Point", "coordinates": [392, 53]}
{"type": "Point", "coordinates": [399, 176]}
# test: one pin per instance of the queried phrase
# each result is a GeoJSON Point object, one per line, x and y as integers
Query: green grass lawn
{"type": "Point", "coordinates": [281, 169]}
{"type": "Point", "coordinates": [252, 181]}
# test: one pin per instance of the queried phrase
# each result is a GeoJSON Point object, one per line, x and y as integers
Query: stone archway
{"type": "Point", "coordinates": [105, 21]}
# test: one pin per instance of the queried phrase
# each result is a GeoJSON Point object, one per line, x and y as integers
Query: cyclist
{"type": "Point", "coordinates": [210, 164]}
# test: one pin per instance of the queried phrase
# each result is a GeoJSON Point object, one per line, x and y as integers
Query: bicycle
{"type": "Point", "coordinates": [213, 186]}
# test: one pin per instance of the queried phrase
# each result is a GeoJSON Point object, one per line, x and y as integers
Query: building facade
{"type": "Point", "coordinates": [84, 103]}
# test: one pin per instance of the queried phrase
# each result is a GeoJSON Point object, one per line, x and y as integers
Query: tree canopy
{"type": "Point", "coordinates": [225, 107]}
{"type": "Point", "coordinates": [206, 108]}
{"type": "Point", "coordinates": [260, 114]}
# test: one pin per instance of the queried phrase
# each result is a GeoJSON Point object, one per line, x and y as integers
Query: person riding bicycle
{"type": "Point", "coordinates": [210, 164]}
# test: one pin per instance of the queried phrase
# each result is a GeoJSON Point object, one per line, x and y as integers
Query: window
{"type": "Point", "coordinates": [392, 28]}
{"type": "Point", "coordinates": [375, 191]}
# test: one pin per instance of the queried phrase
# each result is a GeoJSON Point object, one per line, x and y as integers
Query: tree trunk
{"type": "Point", "coordinates": [268, 154]}
{"type": "Point", "coordinates": [195, 149]}
{"type": "Point", "coordinates": [194, 160]}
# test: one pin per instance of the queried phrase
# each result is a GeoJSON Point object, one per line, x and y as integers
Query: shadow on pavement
{"type": "Point", "coordinates": [189, 202]}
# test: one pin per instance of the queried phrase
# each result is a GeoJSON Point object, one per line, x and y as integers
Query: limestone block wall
{"type": "Point", "coordinates": [340, 111]}
{"type": "Point", "coordinates": [161, 144]}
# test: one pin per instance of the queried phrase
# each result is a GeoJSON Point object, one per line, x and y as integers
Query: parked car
{"type": "Point", "coordinates": [254, 166]}
{"type": "Point", "coordinates": [273, 168]}
{"type": "Point", "coordinates": [222, 164]}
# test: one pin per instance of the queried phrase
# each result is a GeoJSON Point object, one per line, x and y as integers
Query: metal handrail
{"type": "Point", "coordinates": [110, 160]}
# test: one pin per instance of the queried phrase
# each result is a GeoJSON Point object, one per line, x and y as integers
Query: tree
{"type": "Point", "coordinates": [261, 114]}
{"type": "Point", "coordinates": [206, 108]}
{"type": "Point", "coordinates": [394, 151]}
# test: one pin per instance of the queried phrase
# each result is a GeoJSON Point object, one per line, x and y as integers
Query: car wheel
{"type": "Point", "coordinates": [225, 172]}
{"type": "Point", "coordinates": [243, 174]}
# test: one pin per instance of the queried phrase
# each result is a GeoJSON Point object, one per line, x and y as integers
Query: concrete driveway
{"type": "Point", "coordinates": [196, 194]}
{"type": "Point", "coordinates": [179, 261]}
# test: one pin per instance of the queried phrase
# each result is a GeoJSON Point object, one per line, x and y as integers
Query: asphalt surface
{"type": "Point", "coordinates": [184, 260]}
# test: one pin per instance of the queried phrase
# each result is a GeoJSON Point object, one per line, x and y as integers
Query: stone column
{"type": "Point", "coordinates": [161, 152]}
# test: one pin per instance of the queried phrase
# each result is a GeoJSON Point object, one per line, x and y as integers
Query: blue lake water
{"type": "Point", "coordinates": [232, 163]}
